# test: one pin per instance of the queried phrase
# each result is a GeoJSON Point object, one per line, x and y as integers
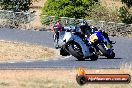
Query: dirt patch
{"type": "Point", "coordinates": [53, 79]}
{"type": "Point", "coordinates": [20, 51]}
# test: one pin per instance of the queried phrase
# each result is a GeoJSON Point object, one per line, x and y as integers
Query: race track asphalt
{"type": "Point", "coordinates": [123, 50]}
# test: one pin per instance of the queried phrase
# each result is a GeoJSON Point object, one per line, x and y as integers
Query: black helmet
{"type": "Point", "coordinates": [83, 22]}
{"type": "Point", "coordinates": [84, 25]}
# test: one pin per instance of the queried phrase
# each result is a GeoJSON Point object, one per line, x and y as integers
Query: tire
{"type": "Point", "coordinates": [81, 80]}
{"type": "Point", "coordinates": [94, 57]}
{"type": "Point", "coordinates": [103, 50]}
{"type": "Point", "coordinates": [55, 41]}
{"type": "Point", "coordinates": [63, 52]}
{"type": "Point", "coordinates": [77, 54]}
{"type": "Point", "coordinates": [54, 37]}
{"type": "Point", "coordinates": [112, 56]}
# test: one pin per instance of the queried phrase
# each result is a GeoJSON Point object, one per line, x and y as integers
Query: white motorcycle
{"type": "Point", "coordinates": [70, 43]}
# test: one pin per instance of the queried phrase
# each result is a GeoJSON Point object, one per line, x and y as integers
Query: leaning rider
{"type": "Point", "coordinates": [85, 29]}
{"type": "Point", "coordinates": [88, 30]}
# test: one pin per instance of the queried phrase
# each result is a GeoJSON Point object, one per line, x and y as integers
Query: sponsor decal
{"type": "Point", "coordinates": [83, 78]}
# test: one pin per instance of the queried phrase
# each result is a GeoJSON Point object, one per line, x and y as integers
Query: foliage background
{"type": "Point", "coordinates": [68, 8]}
{"type": "Point", "coordinates": [15, 5]}
{"type": "Point", "coordinates": [88, 9]}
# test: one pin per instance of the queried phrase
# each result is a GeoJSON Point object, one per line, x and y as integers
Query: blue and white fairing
{"type": "Point", "coordinates": [68, 36]}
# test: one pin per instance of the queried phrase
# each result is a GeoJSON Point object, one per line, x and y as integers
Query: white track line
{"type": "Point", "coordinates": [56, 59]}
{"type": "Point", "coordinates": [11, 62]}
{"type": "Point", "coordinates": [66, 57]}
{"type": "Point", "coordinates": [28, 61]}
{"type": "Point", "coordinates": [45, 60]}
{"type": "Point", "coordinates": [62, 58]}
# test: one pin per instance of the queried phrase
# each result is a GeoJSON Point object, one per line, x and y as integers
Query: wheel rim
{"type": "Point", "coordinates": [76, 48]}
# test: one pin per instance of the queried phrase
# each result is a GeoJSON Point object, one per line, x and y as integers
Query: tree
{"type": "Point", "coordinates": [127, 2]}
{"type": "Point", "coordinates": [124, 14]}
{"type": "Point", "coordinates": [15, 5]}
{"type": "Point", "coordinates": [68, 8]}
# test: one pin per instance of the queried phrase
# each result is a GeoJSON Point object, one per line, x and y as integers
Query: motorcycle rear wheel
{"type": "Point", "coordinates": [93, 57]}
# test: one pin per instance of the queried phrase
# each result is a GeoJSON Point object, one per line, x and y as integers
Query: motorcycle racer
{"type": "Point", "coordinates": [57, 28]}
{"type": "Point", "coordinates": [88, 30]}
{"type": "Point", "coordinates": [85, 28]}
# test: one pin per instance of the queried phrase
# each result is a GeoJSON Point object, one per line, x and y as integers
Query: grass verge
{"type": "Point", "coordinates": [20, 51]}
{"type": "Point", "coordinates": [54, 78]}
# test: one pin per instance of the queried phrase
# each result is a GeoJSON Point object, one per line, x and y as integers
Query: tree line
{"type": "Point", "coordinates": [70, 8]}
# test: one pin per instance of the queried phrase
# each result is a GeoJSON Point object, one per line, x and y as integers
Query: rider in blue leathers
{"type": "Point", "coordinates": [88, 30]}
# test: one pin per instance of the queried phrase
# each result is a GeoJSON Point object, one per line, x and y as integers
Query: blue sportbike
{"type": "Point", "coordinates": [101, 45]}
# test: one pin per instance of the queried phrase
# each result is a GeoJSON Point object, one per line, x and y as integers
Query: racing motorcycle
{"type": "Point", "coordinates": [70, 43]}
{"type": "Point", "coordinates": [101, 45]}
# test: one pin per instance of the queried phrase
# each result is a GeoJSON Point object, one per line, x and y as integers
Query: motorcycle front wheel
{"type": "Point", "coordinates": [112, 56]}
{"type": "Point", "coordinates": [105, 53]}
{"type": "Point", "coordinates": [76, 51]}
{"type": "Point", "coordinates": [63, 52]}
{"type": "Point", "coordinates": [103, 50]}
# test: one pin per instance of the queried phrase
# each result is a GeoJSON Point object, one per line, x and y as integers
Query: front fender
{"type": "Point", "coordinates": [85, 49]}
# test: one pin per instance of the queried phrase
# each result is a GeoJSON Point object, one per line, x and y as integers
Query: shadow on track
{"type": "Point", "coordinates": [109, 58]}
{"type": "Point", "coordinates": [97, 60]}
